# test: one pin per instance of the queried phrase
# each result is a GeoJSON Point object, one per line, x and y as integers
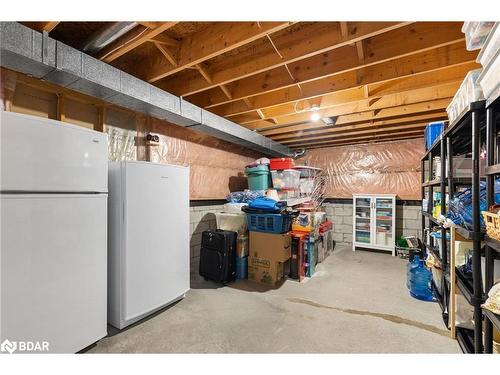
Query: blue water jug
{"type": "Point", "coordinates": [413, 264]}
{"type": "Point", "coordinates": [420, 282]}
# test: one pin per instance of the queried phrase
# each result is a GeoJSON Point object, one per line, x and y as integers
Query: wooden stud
{"type": "Point", "coordinates": [344, 30]}
{"type": "Point", "coordinates": [101, 124]}
{"type": "Point", "coordinates": [60, 108]}
{"type": "Point", "coordinates": [204, 72]}
{"type": "Point", "coordinates": [166, 52]}
{"type": "Point", "coordinates": [226, 91]}
{"type": "Point", "coordinates": [131, 40]}
{"type": "Point", "coordinates": [359, 50]}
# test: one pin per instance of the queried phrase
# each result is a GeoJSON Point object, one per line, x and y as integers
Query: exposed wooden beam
{"type": "Point", "coordinates": [332, 106]}
{"type": "Point", "coordinates": [347, 134]}
{"type": "Point", "coordinates": [343, 30]}
{"type": "Point", "coordinates": [167, 53]}
{"type": "Point", "coordinates": [453, 59]}
{"type": "Point", "coordinates": [204, 72]}
{"type": "Point", "coordinates": [166, 40]}
{"type": "Point", "coordinates": [400, 111]}
{"type": "Point", "coordinates": [419, 39]}
{"type": "Point", "coordinates": [226, 91]}
{"type": "Point", "coordinates": [326, 130]}
{"type": "Point", "coordinates": [360, 51]}
{"type": "Point", "coordinates": [132, 40]}
{"type": "Point", "coordinates": [364, 141]}
{"type": "Point", "coordinates": [366, 138]}
{"type": "Point", "coordinates": [296, 43]}
{"type": "Point", "coordinates": [213, 41]}
{"type": "Point", "coordinates": [49, 26]}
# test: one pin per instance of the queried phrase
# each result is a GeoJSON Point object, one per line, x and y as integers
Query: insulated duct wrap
{"type": "Point", "coordinates": [384, 168]}
{"type": "Point", "coordinates": [216, 167]}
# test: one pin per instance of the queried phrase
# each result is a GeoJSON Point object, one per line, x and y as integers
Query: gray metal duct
{"type": "Point", "coordinates": [106, 35]}
{"type": "Point", "coordinates": [27, 51]}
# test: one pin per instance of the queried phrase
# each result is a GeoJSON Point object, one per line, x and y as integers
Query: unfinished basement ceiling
{"type": "Point", "coordinates": [368, 81]}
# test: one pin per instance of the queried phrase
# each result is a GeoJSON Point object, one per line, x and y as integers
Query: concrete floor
{"type": "Point", "coordinates": [356, 303]}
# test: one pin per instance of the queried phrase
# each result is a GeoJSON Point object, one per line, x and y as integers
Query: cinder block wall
{"type": "Point", "coordinates": [202, 218]}
{"type": "Point", "coordinates": [408, 220]}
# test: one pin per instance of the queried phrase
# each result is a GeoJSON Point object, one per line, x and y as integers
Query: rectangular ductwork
{"type": "Point", "coordinates": [30, 52]}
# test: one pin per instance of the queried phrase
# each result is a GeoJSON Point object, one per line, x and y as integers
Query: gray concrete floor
{"type": "Point", "coordinates": [356, 303]}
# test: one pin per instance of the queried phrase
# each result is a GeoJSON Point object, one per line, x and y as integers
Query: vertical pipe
{"type": "Point", "coordinates": [476, 240]}
{"type": "Point", "coordinates": [490, 193]}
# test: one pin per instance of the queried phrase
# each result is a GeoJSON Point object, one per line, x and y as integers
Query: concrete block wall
{"type": "Point", "coordinates": [201, 218]}
{"type": "Point", "coordinates": [408, 220]}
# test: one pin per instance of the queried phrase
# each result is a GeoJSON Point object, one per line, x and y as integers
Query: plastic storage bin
{"type": "Point", "coordinates": [269, 223]}
{"type": "Point", "coordinates": [259, 177]}
{"type": "Point", "coordinates": [286, 179]}
{"type": "Point", "coordinates": [306, 171]}
{"type": "Point", "coordinates": [476, 33]}
{"type": "Point", "coordinates": [470, 91]}
{"type": "Point", "coordinates": [489, 78]}
{"type": "Point", "coordinates": [281, 163]}
{"type": "Point", "coordinates": [491, 46]}
{"type": "Point", "coordinates": [432, 132]}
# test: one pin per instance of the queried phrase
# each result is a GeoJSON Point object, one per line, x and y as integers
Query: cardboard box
{"type": "Point", "coordinates": [268, 253]}
{"type": "Point", "coordinates": [270, 246]}
{"type": "Point", "coordinates": [264, 271]}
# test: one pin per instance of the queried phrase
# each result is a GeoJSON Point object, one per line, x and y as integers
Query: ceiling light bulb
{"type": "Point", "coordinates": [315, 116]}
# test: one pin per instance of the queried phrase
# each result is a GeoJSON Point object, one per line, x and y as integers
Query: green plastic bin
{"type": "Point", "coordinates": [259, 177]}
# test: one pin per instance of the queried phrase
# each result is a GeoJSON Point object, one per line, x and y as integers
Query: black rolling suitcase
{"type": "Point", "coordinates": [218, 256]}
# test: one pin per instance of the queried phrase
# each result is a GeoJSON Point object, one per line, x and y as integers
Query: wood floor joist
{"type": "Point", "coordinates": [215, 40]}
{"type": "Point", "coordinates": [363, 141]}
{"type": "Point", "coordinates": [417, 38]}
{"type": "Point", "coordinates": [302, 41]}
{"type": "Point", "coordinates": [361, 104]}
{"type": "Point", "coordinates": [328, 130]}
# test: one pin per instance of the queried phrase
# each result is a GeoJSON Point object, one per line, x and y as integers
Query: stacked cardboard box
{"type": "Point", "coordinates": [268, 255]}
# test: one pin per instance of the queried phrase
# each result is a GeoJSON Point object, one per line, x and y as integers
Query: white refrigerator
{"type": "Point", "coordinates": [148, 239]}
{"type": "Point", "coordinates": [53, 235]}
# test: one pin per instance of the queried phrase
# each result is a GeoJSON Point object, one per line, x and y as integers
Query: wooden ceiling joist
{"type": "Point", "coordinates": [365, 138]}
{"type": "Point", "coordinates": [329, 108]}
{"type": "Point", "coordinates": [132, 39]}
{"type": "Point", "coordinates": [420, 39]}
{"type": "Point", "coordinates": [211, 42]}
{"type": "Point", "coordinates": [380, 77]}
{"type": "Point", "coordinates": [327, 130]}
{"type": "Point", "coordinates": [346, 134]}
{"type": "Point", "coordinates": [364, 141]}
{"type": "Point", "coordinates": [305, 40]}
{"type": "Point", "coordinates": [401, 111]}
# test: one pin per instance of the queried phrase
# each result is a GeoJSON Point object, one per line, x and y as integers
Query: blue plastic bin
{"type": "Point", "coordinates": [269, 223]}
{"type": "Point", "coordinates": [432, 132]}
{"type": "Point", "coordinates": [259, 177]}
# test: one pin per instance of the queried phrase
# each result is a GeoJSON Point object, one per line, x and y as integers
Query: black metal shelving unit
{"type": "Point", "coordinates": [492, 246]}
{"type": "Point", "coordinates": [463, 136]}
{"type": "Point", "coordinates": [437, 149]}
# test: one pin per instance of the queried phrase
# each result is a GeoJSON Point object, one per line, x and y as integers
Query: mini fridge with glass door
{"type": "Point", "coordinates": [374, 222]}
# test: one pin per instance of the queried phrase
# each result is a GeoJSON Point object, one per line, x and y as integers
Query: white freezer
{"type": "Point", "coordinates": [148, 239]}
{"type": "Point", "coordinates": [53, 269]}
{"type": "Point", "coordinates": [42, 155]}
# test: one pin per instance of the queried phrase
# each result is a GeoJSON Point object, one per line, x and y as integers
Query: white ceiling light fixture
{"type": "Point", "coordinates": [315, 116]}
